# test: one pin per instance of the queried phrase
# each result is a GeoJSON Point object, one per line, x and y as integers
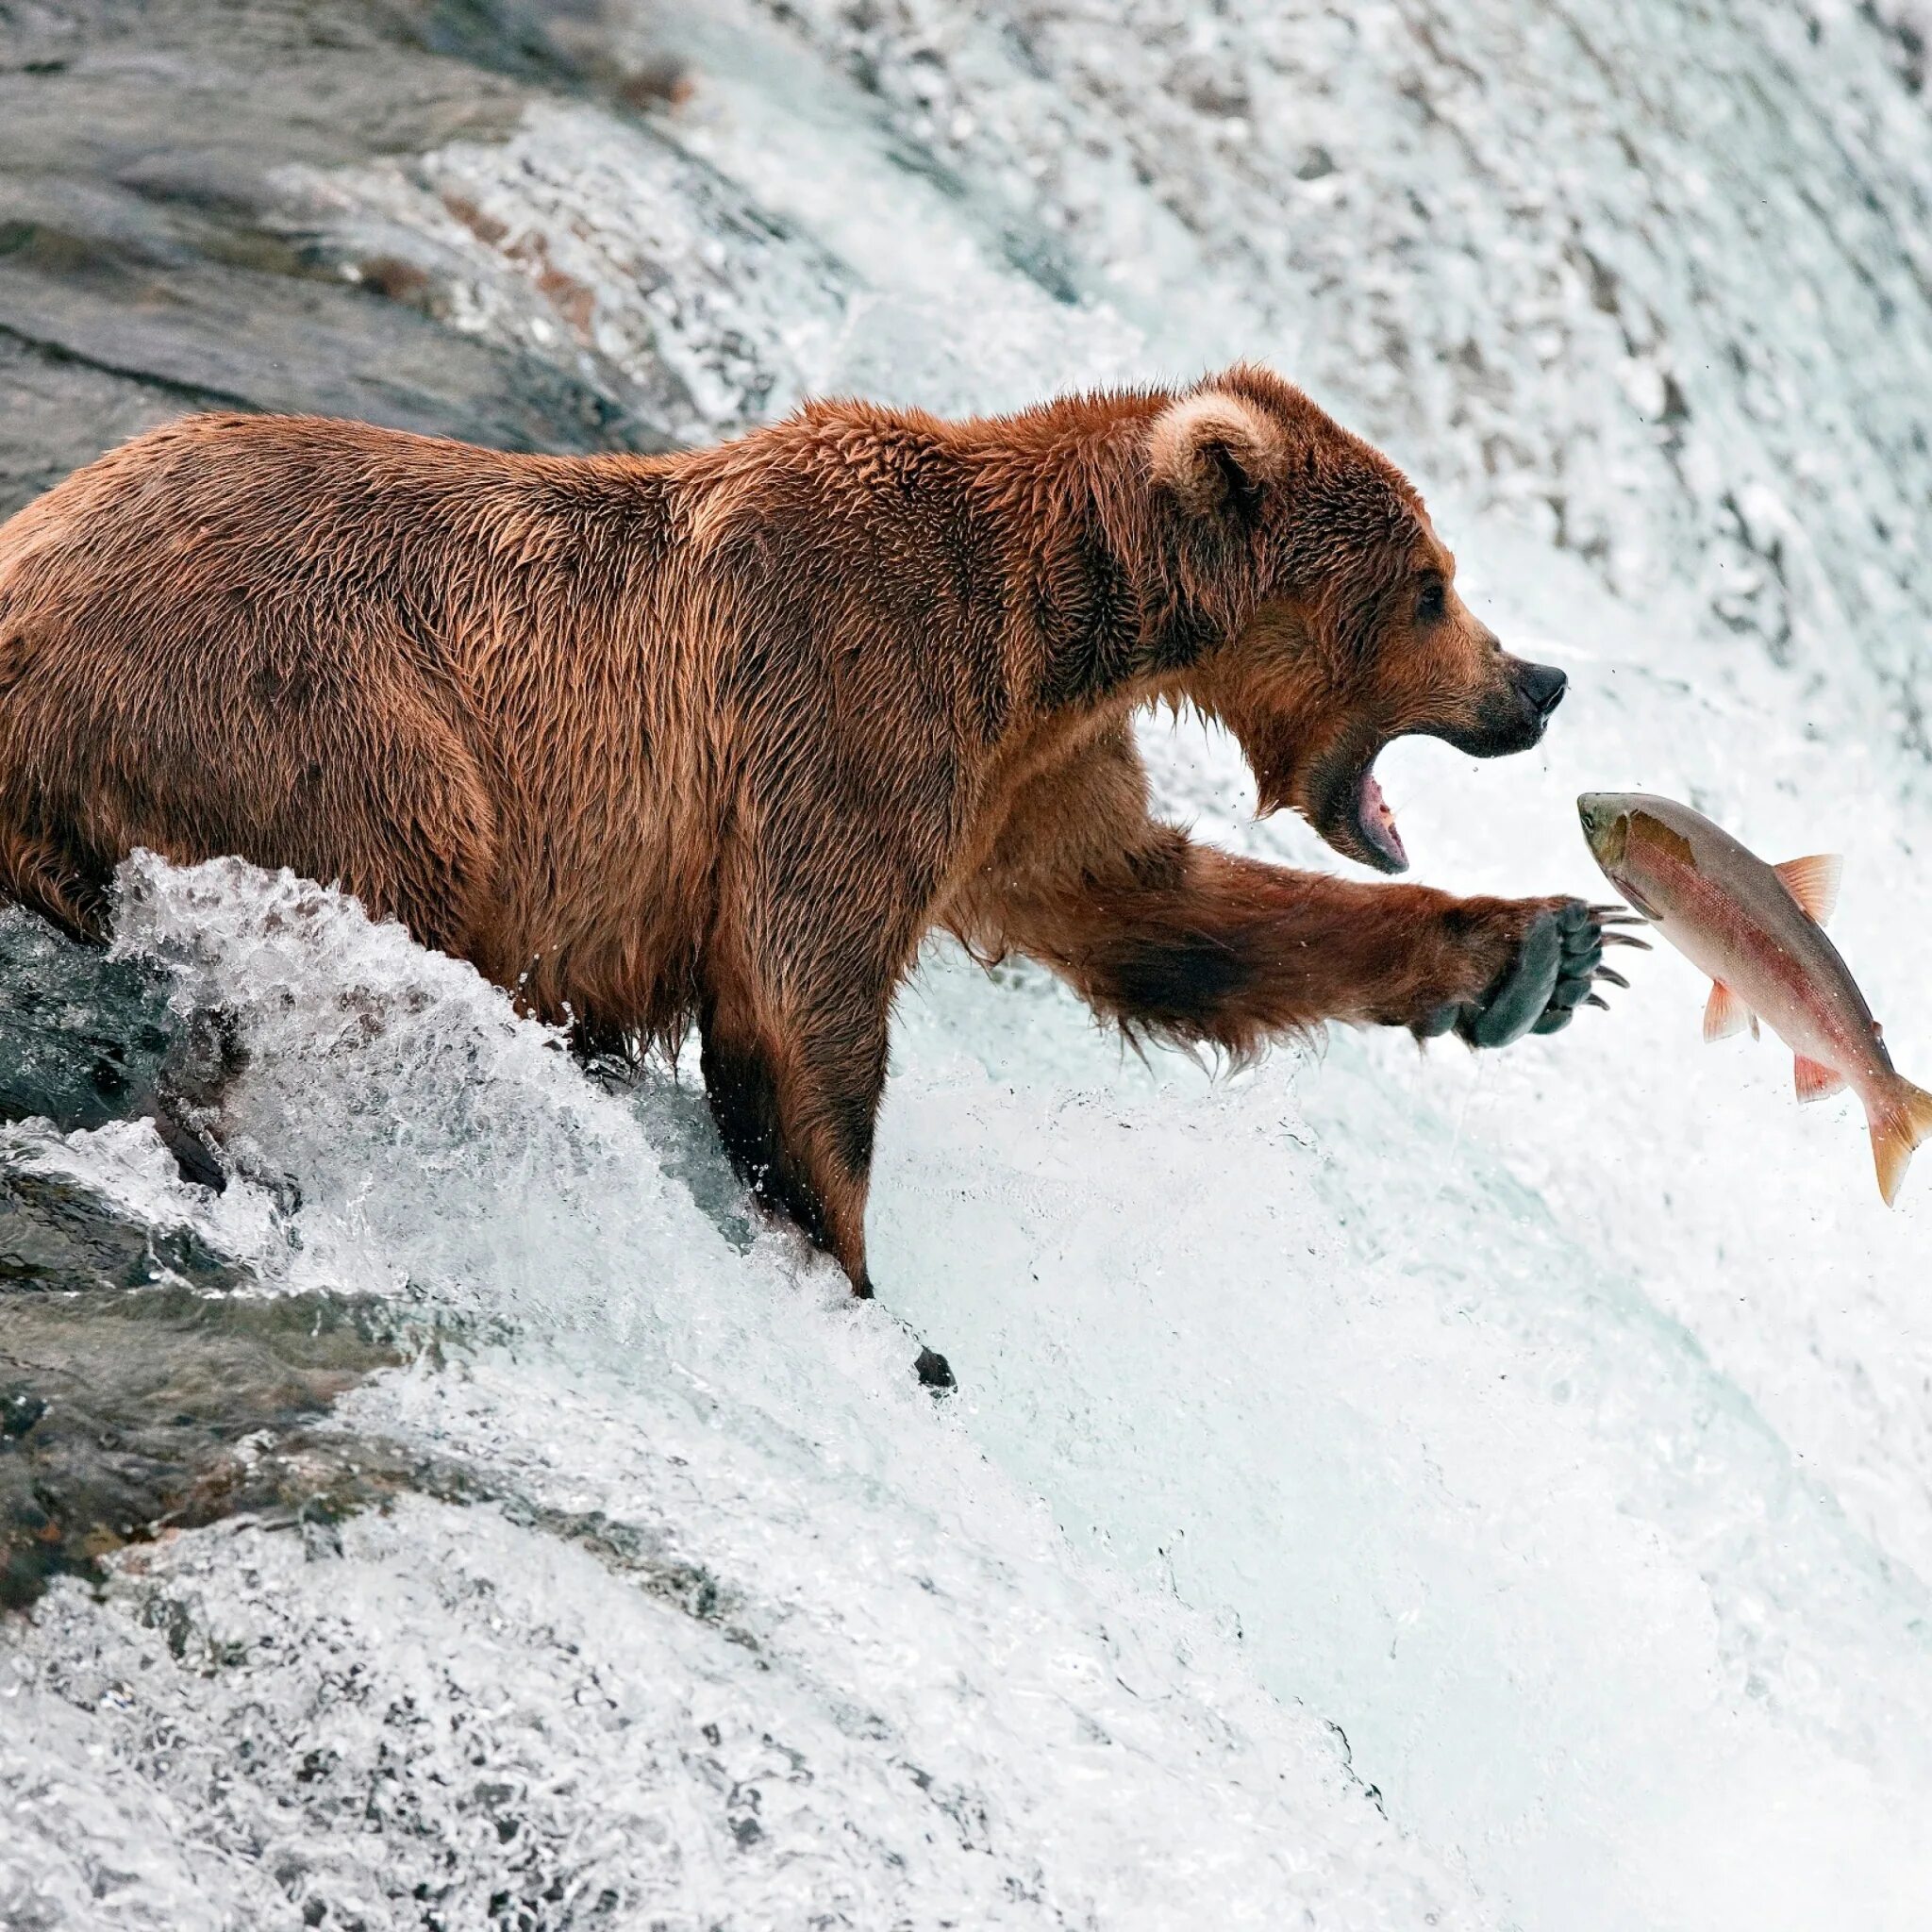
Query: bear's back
{"type": "Point", "coordinates": [407, 665]}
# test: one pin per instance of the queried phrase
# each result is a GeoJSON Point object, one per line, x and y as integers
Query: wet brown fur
{"type": "Point", "coordinates": [722, 736]}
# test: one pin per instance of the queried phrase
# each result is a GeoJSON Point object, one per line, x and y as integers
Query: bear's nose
{"type": "Point", "coordinates": [1544, 686]}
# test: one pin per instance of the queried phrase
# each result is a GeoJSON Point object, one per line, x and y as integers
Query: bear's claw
{"type": "Point", "coordinates": [1556, 969]}
{"type": "Point", "coordinates": [1582, 964]}
{"type": "Point", "coordinates": [1529, 994]}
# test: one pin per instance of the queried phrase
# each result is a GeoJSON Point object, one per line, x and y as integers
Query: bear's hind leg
{"type": "Point", "coordinates": [39, 876]}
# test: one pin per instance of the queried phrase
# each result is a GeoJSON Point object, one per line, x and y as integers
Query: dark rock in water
{"type": "Point", "coordinates": [146, 1382]}
{"type": "Point", "coordinates": [127, 1413]}
{"type": "Point", "coordinates": [82, 1037]}
{"type": "Point", "coordinates": [141, 1385]}
{"type": "Point", "coordinates": [59, 1236]}
{"type": "Point", "coordinates": [19, 1409]}
{"type": "Point", "coordinates": [86, 1038]}
{"type": "Point", "coordinates": [62, 1238]}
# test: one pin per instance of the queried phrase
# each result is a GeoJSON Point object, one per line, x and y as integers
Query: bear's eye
{"type": "Point", "coordinates": [1432, 602]}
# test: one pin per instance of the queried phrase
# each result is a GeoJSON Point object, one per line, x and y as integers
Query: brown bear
{"type": "Point", "coordinates": [723, 736]}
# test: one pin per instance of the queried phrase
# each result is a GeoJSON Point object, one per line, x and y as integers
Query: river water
{"type": "Point", "coordinates": [1386, 1488]}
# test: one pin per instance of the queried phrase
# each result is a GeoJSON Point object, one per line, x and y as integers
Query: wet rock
{"type": "Point", "coordinates": [19, 1409]}
{"type": "Point", "coordinates": [147, 262]}
{"type": "Point", "coordinates": [59, 1237]}
{"type": "Point", "coordinates": [145, 1381]}
{"type": "Point", "coordinates": [124, 1415]}
{"type": "Point", "coordinates": [83, 1037]}
{"type": "Point", "coordinates": [149, 1383]}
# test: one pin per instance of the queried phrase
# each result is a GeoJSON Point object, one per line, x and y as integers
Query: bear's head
{"type": "Point", "coordinates": [1328, 606]}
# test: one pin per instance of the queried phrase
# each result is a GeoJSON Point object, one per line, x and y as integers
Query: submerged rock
{"type": "Point", "coordinates": [126, 1413]}
{"type": "Point", "coordinates": [147, 1382]}
{"type": "Point", "coordinates": [83, 1037]}
{"type": "Point", "coordinates": [59, 1237]}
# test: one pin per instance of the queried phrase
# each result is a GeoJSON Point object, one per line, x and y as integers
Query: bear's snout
{"type": "Point", "coordinates": [1511, 715]}
{"type": "Point", "coordinates": [1543, 687]}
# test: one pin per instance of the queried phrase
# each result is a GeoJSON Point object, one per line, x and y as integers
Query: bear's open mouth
{"type": "Point", "coordinates": [1375, 824]}
{"type": "Point", "coordinates": [1345, 803]}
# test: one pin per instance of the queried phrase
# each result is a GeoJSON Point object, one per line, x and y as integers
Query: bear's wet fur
{"type": "Point", "coordinates": [721, 737]}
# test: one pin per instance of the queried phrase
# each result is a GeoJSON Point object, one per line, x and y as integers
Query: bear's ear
{"type": "Point", "coordinates": [1216, 452]}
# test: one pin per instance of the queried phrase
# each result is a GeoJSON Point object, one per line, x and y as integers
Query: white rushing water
{"type": "Point", "coordinates": [1386, 1489]}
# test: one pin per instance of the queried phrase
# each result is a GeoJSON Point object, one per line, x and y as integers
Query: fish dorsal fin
{"type": "Point", "coordinates": [1726, 1014]}
{"type": "Point", "coordinates": [1813, 882]}
{"type": "Point", "coordinates": [1815, 1080]}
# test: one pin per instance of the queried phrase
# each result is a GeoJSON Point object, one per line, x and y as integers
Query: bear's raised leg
{"type": "Point", "coordinates": [1185, 943]}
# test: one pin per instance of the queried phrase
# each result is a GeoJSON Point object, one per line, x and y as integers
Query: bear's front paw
{"type": "Point", "coordinates": [1525, 966]}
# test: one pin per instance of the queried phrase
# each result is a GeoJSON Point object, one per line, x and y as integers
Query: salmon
{"type": "Point", "coordinates": [1758, 931]}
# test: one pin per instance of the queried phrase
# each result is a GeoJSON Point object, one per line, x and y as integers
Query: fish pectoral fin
{"type": "Point", "coordinates": [1726, 1013]}
{"type": "Point", "coordinates": [1813, 882]}
{"type": "Point", "coordinates": [1899, 1122]}
{"type": "Point", "coordinates": [1815, 1080]}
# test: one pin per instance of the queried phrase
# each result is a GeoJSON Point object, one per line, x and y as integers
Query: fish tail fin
{"type": "Point", "coordinates": [1899, 1121]}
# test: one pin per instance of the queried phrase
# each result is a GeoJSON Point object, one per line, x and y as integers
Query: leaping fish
{"type": "Point", "coordinates": [1758, 931]}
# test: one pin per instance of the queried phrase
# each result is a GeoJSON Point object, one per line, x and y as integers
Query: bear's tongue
{"type": "Point", "coordinates": [1378, 822]}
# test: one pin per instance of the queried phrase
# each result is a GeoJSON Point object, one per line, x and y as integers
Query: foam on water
{"type": "Point", "coordinates": [1556, 1425]}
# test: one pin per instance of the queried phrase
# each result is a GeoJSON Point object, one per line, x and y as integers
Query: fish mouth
{"type": "Point", "coordinates": [1356, 821]}
{"type": "Point", "coordinates": [1606, 830]}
